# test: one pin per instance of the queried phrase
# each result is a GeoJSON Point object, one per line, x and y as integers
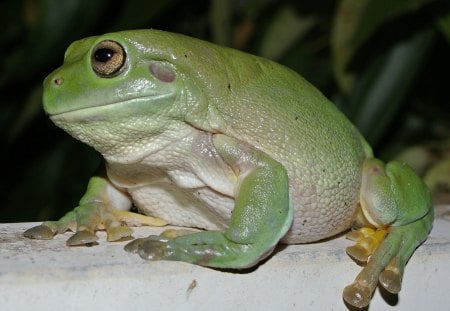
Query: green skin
{"type": "Point", "coordinates": [209, 137]}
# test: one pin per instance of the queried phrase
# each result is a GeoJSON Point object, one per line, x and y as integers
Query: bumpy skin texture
{"type": "Point", "coordinates": [209, 137]}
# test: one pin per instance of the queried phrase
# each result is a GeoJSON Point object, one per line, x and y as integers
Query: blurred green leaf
{"type": "Point", "coordinates": [382, 88]}
{"type": "Point", "coordinates": [346, 20]}
{"type": "Point", "coordinates": [135, 13]}
{"type": "Point", "coordinates": [356, 21]}
{"type": "Point", "coordinates": [378, 12]}
{"type": "Point", "coordinates": [11, 24]}
{"type": "Point", "coordinates": [284, 31]}
{"type": "Point", "coordinates": [32, 106]}
{"type": "Point", "coordinates": [444, 25]}
{"type": "Point", "coordinates": [220, 14]}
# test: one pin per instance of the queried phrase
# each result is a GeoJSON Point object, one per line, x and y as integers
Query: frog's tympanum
{"type": "Point", "coordinates": [203, 136]}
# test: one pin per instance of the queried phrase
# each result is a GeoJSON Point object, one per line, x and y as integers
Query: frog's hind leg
{"type": "Point", "coordinates": [261, 217]}
{"type": "Point", "coordinates": [259, 220]}
{"type": "Point", "coordinates": [396, 202]}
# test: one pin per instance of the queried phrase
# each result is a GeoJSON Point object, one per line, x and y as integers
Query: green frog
{"type": "Point", "coordinates": [198, 135]}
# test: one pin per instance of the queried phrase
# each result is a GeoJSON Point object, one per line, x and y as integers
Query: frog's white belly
{"type": "Point", "coordinates": [199, 208]}
{"type": "Point", "coordinates": [186, 183]}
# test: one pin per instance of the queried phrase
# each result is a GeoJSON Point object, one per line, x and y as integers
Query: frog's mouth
{"type": "Point", "coordinates": [147, 104]}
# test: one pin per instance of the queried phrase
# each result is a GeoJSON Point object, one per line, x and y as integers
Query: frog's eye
{"type": "Point", "coordinates": [107, 58]}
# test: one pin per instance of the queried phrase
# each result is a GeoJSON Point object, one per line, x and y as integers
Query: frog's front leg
{"type": "Point", "coordinates": [397, 203]}
{"type": "Point", "coordinates": [261, 217]}
{"type": "Point", "coordinates": [103, 206]}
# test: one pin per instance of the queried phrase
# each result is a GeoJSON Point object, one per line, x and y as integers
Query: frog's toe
{"type": "Point", "coordinates": [133, 246]}
{"type": "Point", "coordinates": [358, 253]}
{"type": "Point", "coordinates": [150, 248]}
{"type": "Point", "coordinates": [391, 280]}
{"type": "Point", "coordinates": [116, 223]}
{"type": "Point", "coordinates": [48, 229]}
{"type": "Point", "coordinates": [41, 232]}
{"type": "Point", "coordinates": [135, 219]}
{"type": "Point", "coordinates": [174, 233]}
{"type": "Point", "coordinates": [82, 237]}
{"type": "Point", "coordinates": [118, 233]}
{"type": "Point", "coordinates": [367, 241]}
{"type": "Point", "coordinates": [153, 249]}
{"type": "Point", "coordinates": [391, 277]}
{"type": "Point", "coordinates": [357, 295]}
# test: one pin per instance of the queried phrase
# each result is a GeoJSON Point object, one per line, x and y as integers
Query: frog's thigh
{"type": "Point", "coordinates": [397, 203]}
{"type": "Point", "coordinates": [262, 215]}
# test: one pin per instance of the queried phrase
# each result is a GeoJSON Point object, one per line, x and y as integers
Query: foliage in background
{"type": "Point", "coordinates": [383, 62]}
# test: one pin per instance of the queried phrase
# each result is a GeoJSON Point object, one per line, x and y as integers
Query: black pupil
{"type": "Point", "coordinates": [103, 55]}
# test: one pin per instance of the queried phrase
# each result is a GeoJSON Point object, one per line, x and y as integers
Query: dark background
{"type": "Point", "coordinates": [384, 63]}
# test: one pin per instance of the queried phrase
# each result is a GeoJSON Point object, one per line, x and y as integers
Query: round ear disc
{"type": "Point", "coordinates": [162, 73]}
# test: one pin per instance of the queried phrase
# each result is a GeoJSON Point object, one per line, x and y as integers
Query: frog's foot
{"type": "Point", "coordinates": [206, 248]}
{"type": "Point", "coordinates": [86, 219]}
{"type": "Point", "coordinates": [386, 261]}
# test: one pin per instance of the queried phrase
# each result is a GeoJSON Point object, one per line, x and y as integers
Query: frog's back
{"type": "Point", "coordinates": [279, 112]}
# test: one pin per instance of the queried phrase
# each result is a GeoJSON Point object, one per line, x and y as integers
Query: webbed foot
{"type": "Point", "coordinates": [206, 248]}
{"type": "Point", "coordinates": [99, 209]}
{"type": "Point", "coordinates": [86, 219]}
{"type": "Point", "coordinates": [386, 258]}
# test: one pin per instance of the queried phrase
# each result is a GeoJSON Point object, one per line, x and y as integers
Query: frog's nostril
{"type": "Point", "coordinates": [58, 81]}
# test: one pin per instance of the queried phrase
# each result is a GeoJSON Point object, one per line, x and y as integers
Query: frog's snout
{"type": "Point", "coordinates": [52, 92]}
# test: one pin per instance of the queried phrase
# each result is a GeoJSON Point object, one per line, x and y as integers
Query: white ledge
{"type": "Point", "coordinates": [47, 275]}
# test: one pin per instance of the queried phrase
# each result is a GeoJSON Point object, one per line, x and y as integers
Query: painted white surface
{"type": "Point", "coordinates": [47, 275]}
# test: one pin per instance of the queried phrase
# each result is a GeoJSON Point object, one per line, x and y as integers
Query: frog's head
{"type": "Point", "coordinates": [124, 87]}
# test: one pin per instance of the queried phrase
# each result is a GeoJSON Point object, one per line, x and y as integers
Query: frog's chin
{"type": "Point", "coordinates": [121, 131]}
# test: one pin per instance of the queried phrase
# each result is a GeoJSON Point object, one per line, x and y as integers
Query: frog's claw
{"type": "Point", "coordinates": [386, 262]}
